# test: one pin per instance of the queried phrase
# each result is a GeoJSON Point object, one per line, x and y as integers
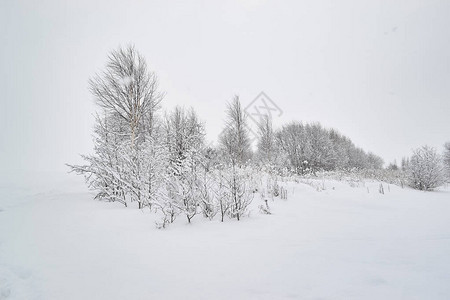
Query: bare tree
{"type": "Point", "coordinates": [235, 144]}
{"type": "Point", "coordinates": [185, 142]}
{"type": "Point", "coordinates": [425, 170]}
{"type": "Point", "coordinates": [293, 140]}
{"type": "Point", "coordinates": [447, 159]}
{"type": "Point", "coordinates": [310, 148]}
{"type": "Point", "coordinates": [321, 153]}
{"type": "Point", "coordinates": [126, 164]}
{"type": "Point", "coordinates": [127, 89]}
{"type": "Point", "coordinates": [221, 192]}
{"type": "Point", "coordinates": [103, 171]}
{"type": "Point", "coordinates": [235, 140]}
{"type": "Point", "coordinates": [267, 154]}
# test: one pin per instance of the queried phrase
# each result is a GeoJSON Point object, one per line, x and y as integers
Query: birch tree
{"type": "Point", "coordinates": [124, 166]}
{"type": "Point", "coordinates": [235, 139]}
{"type": "Point", "coordinates": [128, 90]}
{"type": "Point", "coordinates": [236, 148]}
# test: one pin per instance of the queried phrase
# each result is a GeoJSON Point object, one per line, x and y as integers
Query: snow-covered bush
{"type": "Point", "coordinates": [240, 192]}
{"type": "Point", "coordinates": [425, 170]}
{"type": "Point", "coordinates": [184, 140]}
{"type": "Point", "coordinates": [204, 185]}
{"type": "Point", "coordinates": [221, 192]}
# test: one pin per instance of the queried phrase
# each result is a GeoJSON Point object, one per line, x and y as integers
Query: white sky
{"type": "Point", "coordinates": [378, 71]}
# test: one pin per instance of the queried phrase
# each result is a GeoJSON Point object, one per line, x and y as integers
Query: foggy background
{"type": "Point", "coordinates": [377, 71]}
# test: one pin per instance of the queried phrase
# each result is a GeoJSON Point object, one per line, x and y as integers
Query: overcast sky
{"type": "Point", "coordinates": [378, 71]}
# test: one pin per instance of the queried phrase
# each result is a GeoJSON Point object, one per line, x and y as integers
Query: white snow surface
{"type": "Point", "coordinates": [56, 242]}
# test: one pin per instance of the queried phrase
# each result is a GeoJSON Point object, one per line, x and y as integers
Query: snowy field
{"type": "Point", "coordinates": [340, 243]}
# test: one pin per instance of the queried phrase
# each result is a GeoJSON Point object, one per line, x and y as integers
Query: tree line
{"type": "Point", "coordinates": [161, 161]}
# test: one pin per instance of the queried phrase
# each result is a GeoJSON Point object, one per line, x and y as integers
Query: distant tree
{"type": "Point", "coordinates": [425, 170]}
{"type": "Point", "coordinates": [340, 149]}
{"type": "Point", "coordinates": [358, 158]}
{"type": "Point", "coordinates": [266, 140]}
{"type": "Point", "coordinates": [405, 163]}
{"type": "Point", "coordinates": [392, 166]}
{"type": "Point", "coordinates": [211, 158]}
{"type": "Point", "coordinates": [293, 140]}
{"type": "Point", "coordinates": [374, 161]}
{"type": "Point", "coordinates": [310, 148]}
{"type": "Point", "coordinates": [447, 159]}
{"type": "Point", "coordinates": [235, 139]}
{"type": "Point", "coordinates": [269, 156]}
{"type": "Point", "coordinates": [322, 156]}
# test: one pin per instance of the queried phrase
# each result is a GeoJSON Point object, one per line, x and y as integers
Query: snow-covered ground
{"type": "Point", "coordinates": [340, 243]}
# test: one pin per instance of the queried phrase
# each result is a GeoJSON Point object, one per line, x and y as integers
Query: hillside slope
{"type": "Point", "coordinates": [340, 243]}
